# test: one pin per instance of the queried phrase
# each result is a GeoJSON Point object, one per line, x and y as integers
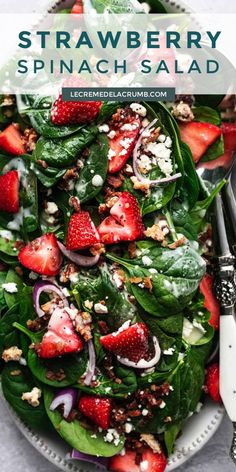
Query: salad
{"type": "Point", "coordinates": [108, 319]}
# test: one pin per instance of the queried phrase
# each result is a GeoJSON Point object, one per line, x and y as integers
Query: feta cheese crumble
{"type": "Point", "coordinates": [32, 397]}
{"type": "Point", "coordinates": [103, 128]}
{"type": "Point", "coordinates": [10, 287]}
{"type": "Point", "coordinates": [139, 109]}
{"type": "Point", "coordinates": [12, 354]}
{"type": "Point", "coordinates": [100, 308]}
{"type": "Point", "coordinates": [51, 208]}
{"type": "Point", "coordinates": [169, 352]}
{"type": "Point", "coordinates": [146, 261]}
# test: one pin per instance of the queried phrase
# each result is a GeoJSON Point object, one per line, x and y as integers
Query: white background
{"type": "Point", "coordinates": [16, 454]}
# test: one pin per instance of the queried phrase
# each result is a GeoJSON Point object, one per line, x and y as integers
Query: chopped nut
{"type": "Point", "coordinates": [88, 304]}
{"type": "Point", "coordinates": [97, 249]}
{"type": "Point", "coordinates": [132, 250]}
{"type": "Point", "coordinates": [155, 232]}
{"type": "Point", "coordinates": [143, 185]}
{"type": "Point", "coordinates": [30, 138]}
{"type": "Point", "coordinates": [128, 169]}
{"type": "Point", "coordinates": [168, 419]}
{"type": "Point", "coordinates": [32, 397]}
{"type": "Point", "coordinates": [135, 280]}
{"type": "Point", "coordinates": [15, 373]}
{"type": "Point", "coordinates": [42, 163]}
{"type": "Point", "coordinates": [118, 381]}
{"type": "Point", "coordinates": [147, 283]}
{"type": "Point", "coordinates": [150, 440]}
{"type": "Point", "coordinates": [115, 180]}
{"type": "Point", "coordinates": [177, 243]}
{"type": "Point", "coordinates": [110, 202]}
{"type": "Point", "coordinates": [12, 354]}
{"type": "Point", "coordinates": [182, 112]}
{"type": "Point", "coordinates": [83, 324]}
{"type": "Point", "coordinates": [59, 375]}
{"type": "Point", "coordinates": [67, 271]}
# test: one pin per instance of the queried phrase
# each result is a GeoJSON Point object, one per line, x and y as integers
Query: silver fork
{"type": "Point", "coordinates": [226, 293]}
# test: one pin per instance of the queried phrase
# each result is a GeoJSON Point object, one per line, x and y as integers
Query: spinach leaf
{"type": "Point", "coordinates": [156, 6]}
{"type": "Point", "coordinates": [48, 176]}
{"type": "Point", "coordinates": [107, 110]}
{"type": "Point", "coordinates": [62, 152]}
{"type": "Point", "coordinates": [207, 115]}
{"type": "Point", "coordinates": [95, 166]}
{"type": "Point", "coordinates": [170, 437]}
{"type": "Point", "coordinates": [214, 151]}
{"type": "Point", "coordinates": [123, 6]}
{"type": "Point", "coordinates": [72, 366]}
{"type": "Point", "coordinates": [173, 285]}
{"type": "Point", "coordinates": [2, 291]}
{"type": "Point", "coordinates": [189, 221]}
{"type": "Point", "coordinates": [9, 246]}
{"type": "Point", "coordinates": [14, 386]}
{"type": "Point", "coordinates": [13, 298]}
{"type": "Point", "coordinates": [29, 198]}
{"type": "Point", "coordinates": [40, 118]}
{"type": "Point", "coordinates": [209, 100]}
{"type": "Point", "coordinates": [186, 379]}
{"type": "Point", "coordinates": [77, 436]}
{"type": "Point", "coordinates": [109, 388]}
{"type": "Point", "coordinates": [190, 187]}
{"type": "Point", "coordinates": [157, 199]}
{"type": "Point", "coordinates": [99, 286]}
{"type": "Point", "coordinates": [8, 335]}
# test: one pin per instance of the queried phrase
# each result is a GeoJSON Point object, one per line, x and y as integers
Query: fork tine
{"type": "Point", "coordinates": [231, 205]}
{"type": "Point", "coordinates": [221, 229]}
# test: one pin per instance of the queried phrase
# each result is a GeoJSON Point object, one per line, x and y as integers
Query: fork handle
{"type": "Point", "coordinates": [227, 362]}
{"type": "Point", "coordinates": [233, 445]}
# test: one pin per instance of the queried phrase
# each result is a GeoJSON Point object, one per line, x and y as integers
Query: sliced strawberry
{"type": "Point", "coordinates": [150, 462]}
{"type": "Point", "coordinates": [125, 222]}
{"type": "Point", "coordinates": [124, 463]}
{"type": "Point", "coordinates": [96, 409]}
{"type": "Point", "coordinates": [9, 192]}
{"type": "Point", "coordinates": [69, 113]}
{"type": "Point", "coordinates": [156, 462]}
{"type": "Point", "coordinates": [229, 133]}
{"type": "Point", "coordinates": [11, 141]}
{"type": "Point", "coordinates": [131, 343]}
{"type": "Point", "coordinates": [77, 7]}
{"type": "Point", "coordinates": [42, 255]}
{"type": "Point", "coordinates": [122, 144]}
{"type": "Point", "coordinates": [199, 136]}
{"type": "Point", "coordinates": [213, 382]}
{"type": "Point", "coordinates": [210, 301]}
{"type": "Point", "coordinates": [60, 338]}
{"type": "Point", "coordinates": [82, 232]}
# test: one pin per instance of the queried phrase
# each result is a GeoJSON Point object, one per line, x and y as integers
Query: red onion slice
{"type": "Point", "coordinates": [142, 364]}
{"type": "Point", "coordinates": [45, 286]}
{"type": "Point", "coordinates": [84, 261]}
{"type": "Point", "coordinates": [101, 462]}
{"type": "Point", "coordinates": [139, 176]}
{"type": "Point", "coordinates": [91, 364]}
{"type": "Point", "coordinates": [66, 397]}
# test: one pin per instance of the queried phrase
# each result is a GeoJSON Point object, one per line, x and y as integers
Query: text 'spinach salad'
{"type": "Point", "coordinates": [108, 318]}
